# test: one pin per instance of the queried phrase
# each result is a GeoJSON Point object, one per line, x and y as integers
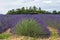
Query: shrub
{"type": "Point", "coordinates": [28, 28]}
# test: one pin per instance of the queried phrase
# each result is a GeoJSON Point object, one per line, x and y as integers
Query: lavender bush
{"type": "Point", "coordinates": [28, 28]}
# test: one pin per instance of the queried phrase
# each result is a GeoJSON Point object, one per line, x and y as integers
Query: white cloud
{"type": "Point", "coordinates": [47, 2]}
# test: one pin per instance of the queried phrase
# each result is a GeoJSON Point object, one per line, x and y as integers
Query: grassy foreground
{"type": "Point", "coordinates": [54, 36]}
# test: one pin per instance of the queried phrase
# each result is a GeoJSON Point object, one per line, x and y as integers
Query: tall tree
{"type": "Point", "coordinates": [58, 12]}
{"type": "Point", "coordinates": [11, 11]}
{"type": "Point", "coordinates": [23, 10]}
{"type": "Point", "coordinates": [54, 12]}
{"type": "Point", "coordinates": [18, 11]}
{"type": "Point", "coordinates": [30, 10]}
{"type": "Point", "coordinates": [27, 10]}
{"type": "Point", "coordinates": [39, 10]}
{"type": "Point", "coordinates": [34, 9]}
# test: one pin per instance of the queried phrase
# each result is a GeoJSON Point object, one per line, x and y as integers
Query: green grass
{"type": "Point", "coordinates": [54, 34]}
{"type": "Point", "coordinates": [4, 36]}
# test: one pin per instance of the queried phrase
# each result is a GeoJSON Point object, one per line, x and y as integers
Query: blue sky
{"type": "Point", "coordinates": [49, 5]}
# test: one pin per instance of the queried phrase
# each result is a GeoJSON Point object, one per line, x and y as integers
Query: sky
{"type": "Point", "coordinates": [48, 5]}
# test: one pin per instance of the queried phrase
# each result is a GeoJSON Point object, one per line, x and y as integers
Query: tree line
{"type": "Point", "coordinates": [31, 10]}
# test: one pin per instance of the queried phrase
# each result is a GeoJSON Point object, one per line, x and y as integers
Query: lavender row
{"type": "Point", "coordinates": [45, 20]}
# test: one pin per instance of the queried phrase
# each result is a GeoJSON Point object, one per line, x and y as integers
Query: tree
{"type": "Point", "coordinates": [47, 12]}
{"type": "Point", "coordinates": [58, 12]}
{"type": "Point", "coordinates": [11, 12]}
{"type": "Point", "coordinates": [23, 10]}
{"type": "Point", "coordinates": [31, 10]}
{"type": "Point", "coordinates": [27, 10]}
{"type": "Point", "coordinates": [54, 12]}
{"type": "Point", "coordinates": [34, 9]}
{"type": "Point", "coordinates": [39, 10]}
{"type": "Point", "coordinates": [18, 11]}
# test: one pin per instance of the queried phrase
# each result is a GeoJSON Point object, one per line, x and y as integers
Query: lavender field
{"type": "Point", "coordinates": [44, 21]}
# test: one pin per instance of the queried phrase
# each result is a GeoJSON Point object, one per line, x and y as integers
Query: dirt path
{"type": "Point", "coordinates": [54, 34]}
{"type": "Point", "coordinates": [52, 29]}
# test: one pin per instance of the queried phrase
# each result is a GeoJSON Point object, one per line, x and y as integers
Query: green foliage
{"type": "Point", "coordinates": [11, 11]}
{"type": "Point", "coordinates": [4, 36]}
{"type": "Point", "coordinates": [31, 10]}
{"type": "Point", "coordinates": [54, 12]}
{"type": "Point", "coordinates": [58, 12]}
{"type": "Point", "coordinates": [54, 34]}
{"type": "Point", "coordinates": [28, 28]}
